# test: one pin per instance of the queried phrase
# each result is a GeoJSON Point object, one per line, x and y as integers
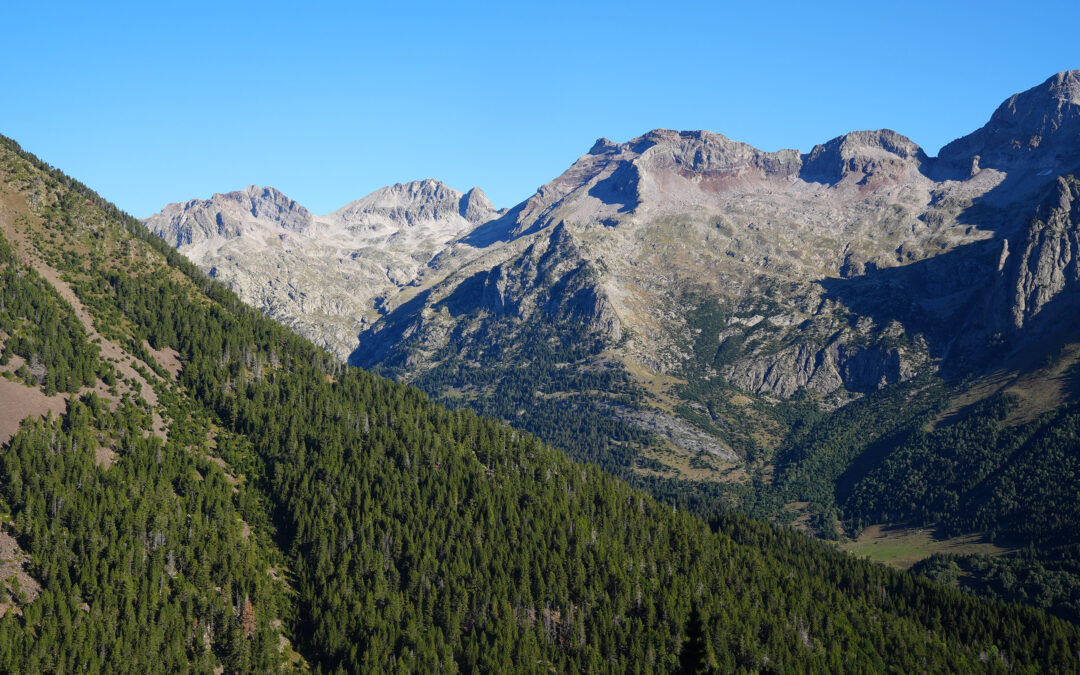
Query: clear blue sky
{"type": "Point", "coordinates": [154, 102]}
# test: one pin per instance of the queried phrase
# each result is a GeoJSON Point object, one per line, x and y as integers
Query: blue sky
{"type": "Point", "coordinates": [150, 103]}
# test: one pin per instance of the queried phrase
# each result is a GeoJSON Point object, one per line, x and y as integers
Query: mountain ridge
{"type": "Point", "coordinates": [374, 245]}
{"type": "Point", "coordinates": [686, 285]}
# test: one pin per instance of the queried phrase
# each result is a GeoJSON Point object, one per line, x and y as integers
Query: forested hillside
{"type": "Point", "coordinates": [219, 492]}
{"type": "Point", "coordinates": [901, 457]}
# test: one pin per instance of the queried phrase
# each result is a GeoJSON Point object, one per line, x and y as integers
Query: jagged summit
{"type": "Point", "coordinates": [669, 172]}
{"type": "Point", "coordinates": [229, 215]}
{"type": "Point", "coordinates": [428, 203]}
{"type": "Point", "coordinates": [255, 196]}
{"type": "Point", "coordinates": [678, 143]}
{"type": "Point", "coordinates": [1035, 129]}
{"type": "Point", "coordinates": [416, 203]}
{"type": "Point", "coordinates": [710, 155]}
{"type": "Point", "coordinates": [268, 192]}
{"type": "Point", "coordinates": [603, 146]}
{"type": "Point", "coordinates": [706, 153]}
{"type": "Point", "coordinates": [861, 153]}
{"type": "Point", "coordinates": [322, 274]}
{"type": "Point", "coordinates": [1038, 129]}
{"type": "Point", "coordinates": [269, 202]}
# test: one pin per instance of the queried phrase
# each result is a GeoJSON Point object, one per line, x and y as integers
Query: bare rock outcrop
{"type": "Point", "coordinates": [1036, 132]}
{"type": "Point", "coordinates": [229, 216]}
{"type": "Point", "coordinates": [862, 155]}
{"type": "Point", "coordinates": [326, 277]}
{"type": "Point", "coordinates": [1049, 261]}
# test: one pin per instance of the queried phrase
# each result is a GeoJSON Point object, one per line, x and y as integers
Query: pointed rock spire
{"type": "Point", "coordinates": [476, 207]}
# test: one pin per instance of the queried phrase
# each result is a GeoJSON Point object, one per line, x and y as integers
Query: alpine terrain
{"type": "Point", "coordinates": [858, 335]}
{"type": "Point", "coordinates": [187, 486]}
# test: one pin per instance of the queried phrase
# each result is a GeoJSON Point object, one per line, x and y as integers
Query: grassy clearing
{"type": "Point", "coordinates": [797, 515]}
{"type": "Point", "coordinates": [902, 547]}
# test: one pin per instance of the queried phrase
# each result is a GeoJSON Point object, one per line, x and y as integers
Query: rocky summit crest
{"type": "Point", "coordinates": [475, 206]}
{"type": "Point", "coordinates": [323, 275]}
{"type": "Point", "coordinates": [427, 203]}
{"type": "Point", "coordinates": [1037, 130]}
{"type": "Point", "coordinates": [861, 153]}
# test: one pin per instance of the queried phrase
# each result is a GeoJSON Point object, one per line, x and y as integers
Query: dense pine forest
{"type": "Point", "coordinates": [263, 507]}
{"type": "Point", "coordinates": [879, 459]}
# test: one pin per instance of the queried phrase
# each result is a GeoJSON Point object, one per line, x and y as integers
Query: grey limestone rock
{"type": "Point", "coordinates": [1048, 265]}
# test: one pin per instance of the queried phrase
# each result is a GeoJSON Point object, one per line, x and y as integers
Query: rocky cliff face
{"type": "Point", "coordinates": [552, 282]}
{"type": "Point", "coordinates": [1033, 290]}
{"type": "Point", "coordinates": [882, 155]}
{"type": "Point", "coordinates": [686, 258]}
{"type": "Point", "coordinates": [1048, 266]}
{"type": "Point", "coordinates": [1035, 132]}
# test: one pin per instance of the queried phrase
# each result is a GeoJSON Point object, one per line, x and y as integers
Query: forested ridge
{"type": "Point", "coordinates": [378, 531]}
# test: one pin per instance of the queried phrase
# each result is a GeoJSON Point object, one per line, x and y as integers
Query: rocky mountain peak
{"type": "Point", "coordinates": [271, 203]}
{"type": "Point", "coordinates": [1038, 129]}
{"type": "Point", "coordinates": [604, 146]}
{"type": "Point", "coordinates": [268, 193]}
{"type": "Point", "coordinates": [1065, 86]}
{"type": "Point", "coordinates": [708, 153]}
{"type": "Point", "coordinates": [229, 215]}
{"type": "Point", "coordinates": [414, 193]}
{"type": "Point", "coordinates": [861, 153]}
{"type": "Point", "coordinates": [323, 275]}
{"type": "Point", "coordinates": [252, 195]}
{"type": "Point", "coordinates": [409, 204]}
{"type": "Point", "coordinates": [475, 206]}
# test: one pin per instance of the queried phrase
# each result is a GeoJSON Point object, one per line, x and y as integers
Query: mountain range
{"type": "Point", "coordinates": [188, 486]}
{"type": "Point", "coordinates": [325, 276]}
{"type": "Point", "coordinates": [686, 259]}
{"type": "Point", "coordinates": [800, 335]}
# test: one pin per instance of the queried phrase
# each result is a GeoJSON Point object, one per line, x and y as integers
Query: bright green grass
{"type": "Point", "coordinates": [902, 547]}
